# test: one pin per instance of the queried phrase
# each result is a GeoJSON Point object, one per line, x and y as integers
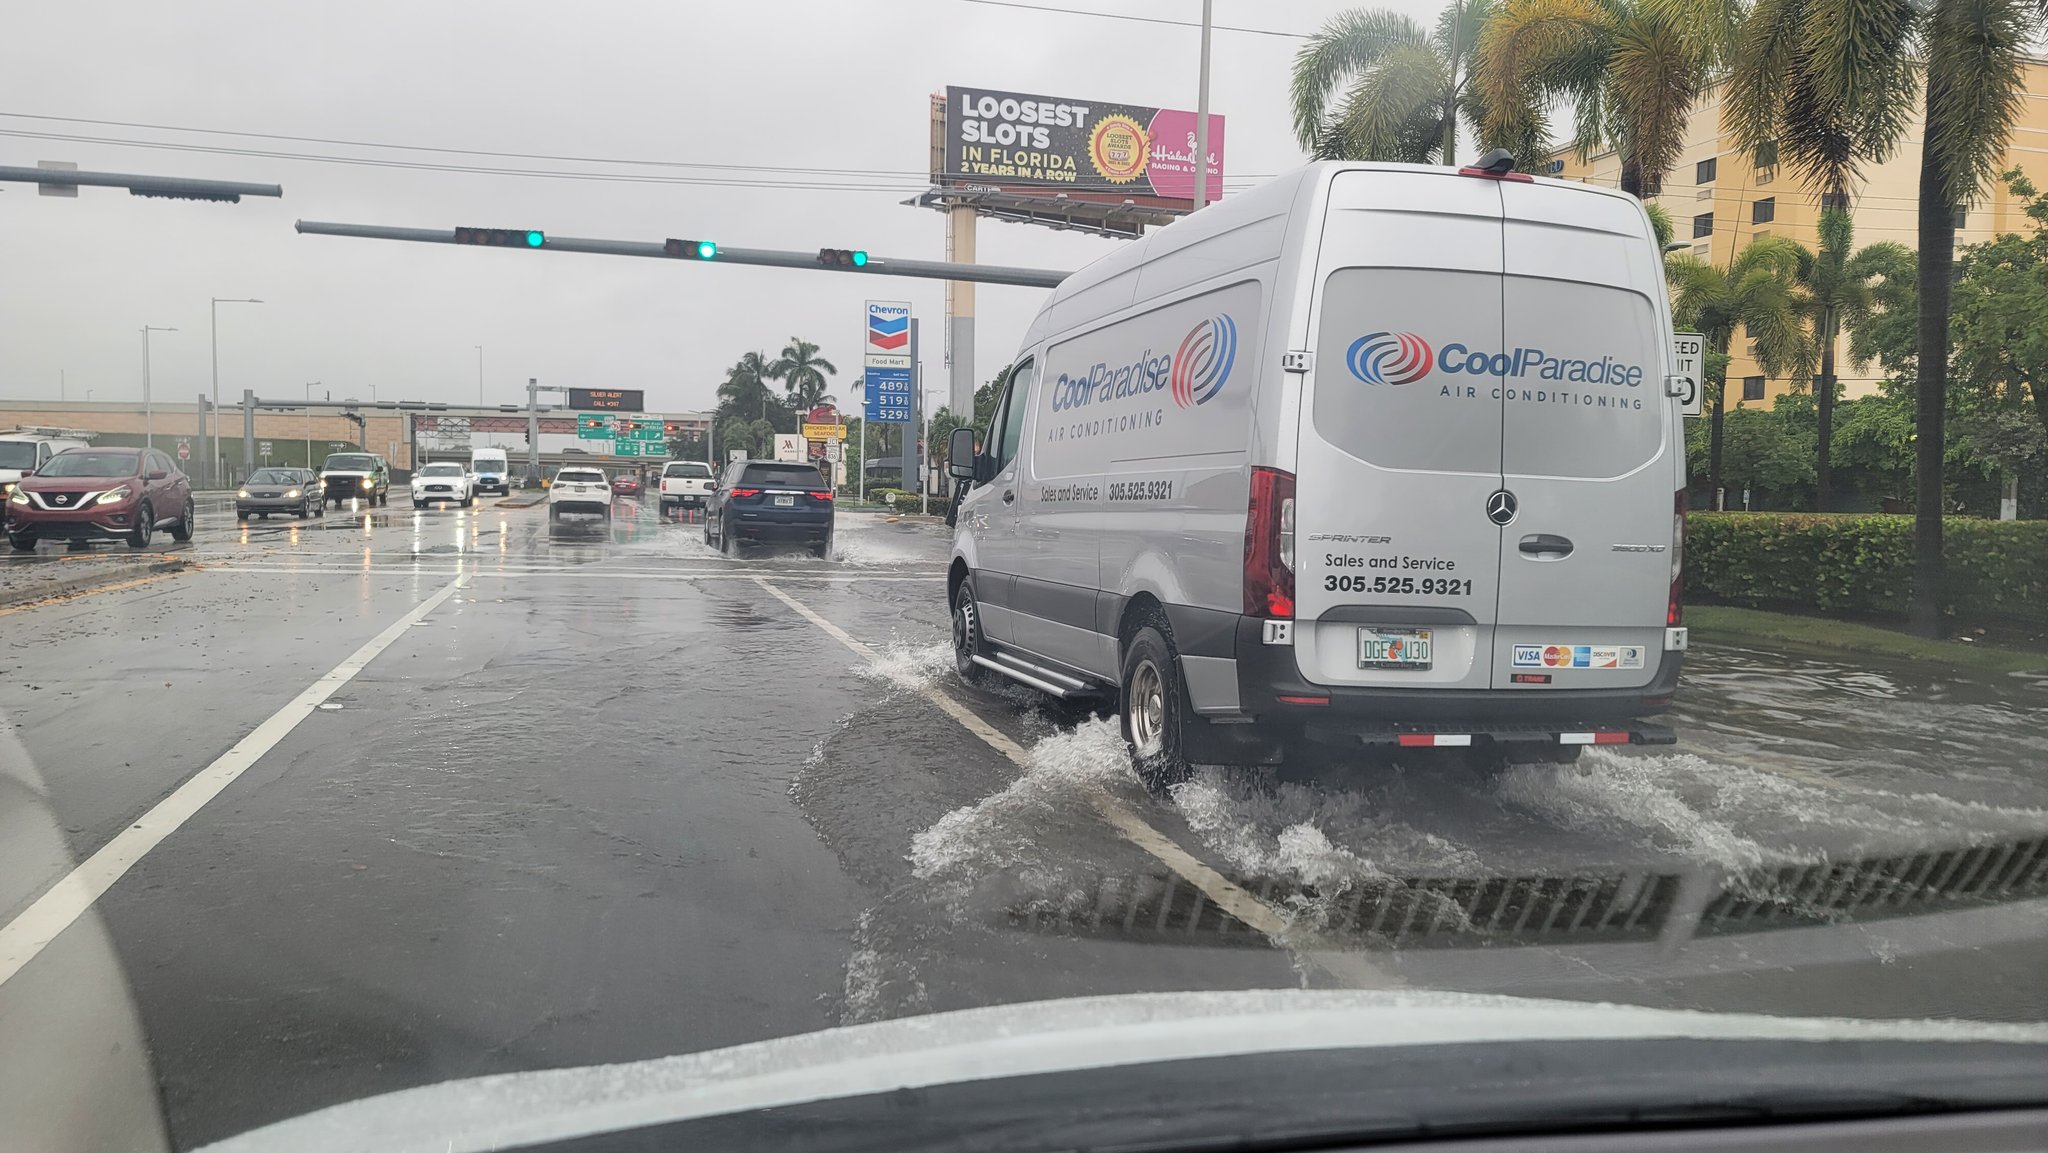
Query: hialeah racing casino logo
{"type": "Point", "coordinates": [1389, 358]}
{"type": "Point", "coordinates": [1204, 360]}
{"type": "Point", "coordinates": [1195, 373]}
{"type": "Point", "coordinates": [1397, 358]}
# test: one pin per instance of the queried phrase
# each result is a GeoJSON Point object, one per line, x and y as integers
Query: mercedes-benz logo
{"type": "Point", "coordinates": [1500, 507]}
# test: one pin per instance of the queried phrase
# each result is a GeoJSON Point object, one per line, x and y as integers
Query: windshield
{"type": "Point", "coordinates": [84, 462]}
{"type": "Point", "coordinates": [783, 475]}
{"type": "Point", "coordinates": [1498, 553]}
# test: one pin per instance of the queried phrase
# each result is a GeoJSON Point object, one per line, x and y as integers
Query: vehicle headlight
{"type": "Point", "coordinates": [17, 497]}
{"type": "Point", "coordinates": [115, 495]}
{"type": "Point", "coordinates": [292, 494]}
{"type": "Point", "coordinates": [242, 492]}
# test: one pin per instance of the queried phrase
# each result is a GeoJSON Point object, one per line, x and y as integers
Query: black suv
{"type": "Point", "coordinates": [758, 501]}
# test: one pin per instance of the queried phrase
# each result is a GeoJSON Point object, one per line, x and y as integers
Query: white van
{"type": "Point", "coordinates": [30, 447]}
{"type": "Point", "coordinates": [492, 470]}
{"type": "Point", "coordinates": [1372, 452]}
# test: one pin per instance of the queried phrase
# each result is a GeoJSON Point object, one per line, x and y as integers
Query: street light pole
{"type": "Point", "coordinates": [479, 375]}
{"type": "Point", "coordinates": [213, 436]}
{"type": "Point", "coordinates": [309, 421]}
{"type": "Point", "coordinates": [1202, 119]}
{"type": "Point", "coordinates": [148, 410]}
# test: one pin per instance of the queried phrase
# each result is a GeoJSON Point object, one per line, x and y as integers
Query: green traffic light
{"type": "Point", "coordinates": [535, 239]}
{"type": "Point", "coordinates": [860, 259]}
{"type": "Point", "coordinates": [706, 249]}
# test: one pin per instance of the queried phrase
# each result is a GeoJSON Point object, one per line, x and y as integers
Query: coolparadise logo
{"type": "Point", "coordinates": [1397, 358]}
{"type": "Point", "coordinates": [1194, 373]}
{"type": "Point", "coordinates": [1203, 362]}
{"type": "Point", "coordinates": [1389, 358]}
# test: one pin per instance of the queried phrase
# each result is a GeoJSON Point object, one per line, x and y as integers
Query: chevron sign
{"type": "Point", "coordinates": [888, 326]}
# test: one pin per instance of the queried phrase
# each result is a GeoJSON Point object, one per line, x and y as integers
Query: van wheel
{"type": "Point", "coordinates": [1154, 706]}
{"type": "Point", "coordinates": [967, 637]}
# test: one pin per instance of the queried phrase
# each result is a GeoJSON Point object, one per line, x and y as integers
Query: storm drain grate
{"type": "Point", "coordinates": [1873, 887]}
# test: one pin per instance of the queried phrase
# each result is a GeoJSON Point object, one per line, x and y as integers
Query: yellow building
{"type": "Point", "coordinates": [1720, 198]}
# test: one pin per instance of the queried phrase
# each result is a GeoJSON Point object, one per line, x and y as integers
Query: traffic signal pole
{"type": "Point", "coordinates": [763, 257]}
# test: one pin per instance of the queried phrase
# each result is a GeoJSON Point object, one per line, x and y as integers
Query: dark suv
{"type": "Point", "coordinates": [89, 494]}
{"type": "Point", "coordinates": [758, 501]}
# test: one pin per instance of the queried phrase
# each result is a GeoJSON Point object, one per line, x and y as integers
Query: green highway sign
{"type": "Point", "coordinates": [649, 431]}
{"type": "Point", "coordinates": [626, 448]}
{"type": "Point", "coordinates": [593, 428]}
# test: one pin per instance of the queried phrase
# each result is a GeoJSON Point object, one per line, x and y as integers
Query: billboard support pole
{"type": "Point", "coordinates": [1202, 120]}
{"type": "Point", "coordinates": [960, 244]}
{"type": "Point", "coordinates": [532, 432]}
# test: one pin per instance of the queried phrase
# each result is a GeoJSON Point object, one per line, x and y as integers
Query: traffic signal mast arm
{"type": "Point", "coordinates": [690, 251]}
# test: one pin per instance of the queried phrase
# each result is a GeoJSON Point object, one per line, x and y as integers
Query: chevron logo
{"type": "Point", "coordinates": [887, 333]}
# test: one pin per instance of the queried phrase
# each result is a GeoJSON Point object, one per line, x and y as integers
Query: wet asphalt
{"type": "Point", "coordinates": [617, 797]}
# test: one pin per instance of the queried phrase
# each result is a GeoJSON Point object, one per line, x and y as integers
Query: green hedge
{"type": "Point", "coordinates": [1864, 564]}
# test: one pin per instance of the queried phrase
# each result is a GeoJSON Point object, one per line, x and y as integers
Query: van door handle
{"type": "Point", "coordinates": [1539, 544]}
{"type": "Point", "coordinates": [1009, 495]}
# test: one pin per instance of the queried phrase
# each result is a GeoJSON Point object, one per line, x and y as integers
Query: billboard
{"type": "Point", "coordinates": [1012, 140]}
{"type": "Point", "coordinates": [608, 399]}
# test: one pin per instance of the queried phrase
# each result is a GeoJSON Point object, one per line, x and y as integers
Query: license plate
{"type": "Point", "coordinates": [785, 502]}
{"type": "Point", "coordinates": [1394, 648]}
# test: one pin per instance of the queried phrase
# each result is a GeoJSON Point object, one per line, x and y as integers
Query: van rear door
{"type": "Point", "coordinates": [1586, 563]}
{"type": "Point", "coordinates": [1396, 562]}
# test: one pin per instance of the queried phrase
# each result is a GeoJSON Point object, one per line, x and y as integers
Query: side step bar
{"type": "Point", "coordinates": [1024, 672]}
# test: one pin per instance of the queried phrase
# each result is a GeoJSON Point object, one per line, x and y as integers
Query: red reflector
{"type": "Point", "coordinates": [1530, 678]}
{"type": "Point", "coordinates": [1304, 700]}
{"type": "Point", "coordinates": [822, 495]}
{"type": "Point", "coordinates": [746, 492]}
{"type": "Point", "coordinates": [1610, 738]}
{"type": "Point", "coordinates": [1416, 740]}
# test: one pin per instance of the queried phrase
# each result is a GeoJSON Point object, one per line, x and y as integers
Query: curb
{"type": "Point", "coordinates": [112, 575]}
{"type": "Point", "coordinates": [515, 502]}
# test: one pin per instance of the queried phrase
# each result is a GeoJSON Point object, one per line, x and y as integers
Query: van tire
{"type": "Point", "coordinates": [968, 639]}
{"type": "Point", "coordinates": [1153, 706]}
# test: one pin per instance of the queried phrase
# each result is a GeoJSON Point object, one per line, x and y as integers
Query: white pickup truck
{"type": "Point", "coordinates": [684, 483]}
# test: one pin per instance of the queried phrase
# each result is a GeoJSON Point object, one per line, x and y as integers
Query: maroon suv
{"type": "Point", "coordinates": [88, 494]}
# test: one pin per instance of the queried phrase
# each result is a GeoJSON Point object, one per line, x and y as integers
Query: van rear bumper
{"type": "Point", "coordinates": [1266, 676]}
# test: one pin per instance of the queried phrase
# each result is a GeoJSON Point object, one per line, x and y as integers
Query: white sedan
{"type": "Point", "coordinates": [443, 481]}
{"type": "Point", "coordinates": [580, 491]}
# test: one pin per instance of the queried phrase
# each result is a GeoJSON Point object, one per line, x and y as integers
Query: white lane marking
{"type": "Point", "coordinates": [24, 937]}
{"type": "Point", "coordinates": [394, 569]}
{"type": "Point", "coordinates": [1227, 895]}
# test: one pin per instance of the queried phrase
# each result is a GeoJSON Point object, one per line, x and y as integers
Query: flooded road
{"type": "Point", "coordinates": [430, 794]}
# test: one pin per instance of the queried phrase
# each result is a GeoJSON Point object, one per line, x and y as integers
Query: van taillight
{"type": "Point", "coordinates": [1269, 545]}
{"type": "Point", "coordinates": [1674, 610]}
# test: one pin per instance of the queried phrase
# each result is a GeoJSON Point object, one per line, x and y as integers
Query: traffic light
{"type": "Point", "coordinates": [843, 257]}
{"type": "Point", "coordinates": [591, 422]}
{"type": "Point", "coordinates": [670, 428]}
{"type": "Point", "coordinates": [690, 249]}
{"type": "Point", "coordinates": [502, 237]}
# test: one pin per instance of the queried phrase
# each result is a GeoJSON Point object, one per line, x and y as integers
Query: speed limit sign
{"type": "Point", "coordinates": [1688, 370]}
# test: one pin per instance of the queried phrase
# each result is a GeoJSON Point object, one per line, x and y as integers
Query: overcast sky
{"type": "Point", "coordinates": [772, 83]}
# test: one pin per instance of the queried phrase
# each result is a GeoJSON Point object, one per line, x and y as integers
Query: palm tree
{"type": "Point", "coordinates": [802, 373]}
{"type": "Point", "coordinates": [1826, 76]}
{"type": "Point", "coordinates": [746, 385]}
{"type": "Point", "coordinates": [1372, 84]}
{"type": "Point", "coordinates": [1629, 69]}
{"type": "Point", "coordinates": [1838, 296]}
{"type": "Point", "coordinates": [1757, 290]}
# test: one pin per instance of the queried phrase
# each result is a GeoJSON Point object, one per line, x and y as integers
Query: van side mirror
{"type": "Point", "coordinates": [960, 454]}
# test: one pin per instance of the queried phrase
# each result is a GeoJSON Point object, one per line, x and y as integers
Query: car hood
{"type": "Point", "coordinates": [75, 483]}
{"type": "Point", "coordinates": [1049, 1037]}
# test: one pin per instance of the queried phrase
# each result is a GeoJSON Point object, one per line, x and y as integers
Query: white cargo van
{"type": "Point", "coordinates": [1370, 453]}
{"type": "Point", "coordinates": [492, 471]}
{"type": "Point", "coordinates": [30, 447]}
